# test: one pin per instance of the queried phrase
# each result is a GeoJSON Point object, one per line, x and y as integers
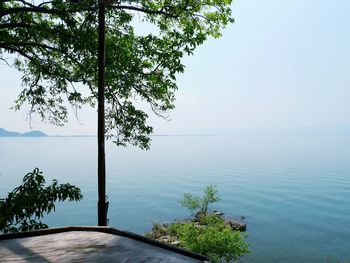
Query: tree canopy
{"type": "Point", "coordinates": [54, 46]}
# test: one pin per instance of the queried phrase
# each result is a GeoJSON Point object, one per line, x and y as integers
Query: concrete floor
{"type": "Point", "coordinates": [82, 246]}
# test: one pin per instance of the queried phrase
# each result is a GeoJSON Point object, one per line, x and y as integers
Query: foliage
{"type": "Point", "coordinates": [199, 205]}
{"type": "Point", "coordinates": [215, 239]}
{"type": "Point", "coordinates": [23, 208]}
{"type": "Point", "coordinates": [54, 43]}
{"type": "Point", "coordinates": [207, 234]}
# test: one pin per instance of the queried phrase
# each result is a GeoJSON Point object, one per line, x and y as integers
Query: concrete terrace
{"type": "Point", "coordinates": [88, 244]}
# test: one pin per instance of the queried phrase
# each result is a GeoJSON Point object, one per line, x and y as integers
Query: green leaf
{"type": "Point", "coordinates": [55, 49]}
{"type": "Point", "coordinates": [26, 204]}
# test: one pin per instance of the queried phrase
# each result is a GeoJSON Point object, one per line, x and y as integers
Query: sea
{"type": "Point", "coordinates": [293, 191]}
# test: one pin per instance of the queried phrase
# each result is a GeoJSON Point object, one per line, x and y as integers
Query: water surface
{"type": "Point", "coordinates": [294, 191]}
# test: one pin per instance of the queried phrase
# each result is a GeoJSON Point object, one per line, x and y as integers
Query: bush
{"type": "Point", "coordinates": [214, 240]}
{"type": "Point", "coordinates": [23, 208]}
{"type": "Point", "coordinates": [207, 234]}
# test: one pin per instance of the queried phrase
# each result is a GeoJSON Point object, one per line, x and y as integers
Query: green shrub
{"type": "Point", "coordinates": [23, 208]}
{"type": "Point", "coordinates": [206, 234]}
{"type": "Point", "coordinates": [214, 240]}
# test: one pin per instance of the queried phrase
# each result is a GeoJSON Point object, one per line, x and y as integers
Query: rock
{"type": "Point", "coordinates": [175, 243]}
{"type": "Point", "coordinates": [164, 239]}
{"type": "Point", "coordinates": [199, 215]}
{"type": "Point", "coordinates": [237, 225]}
{"type": "Point", "coordinates": [218, 213]}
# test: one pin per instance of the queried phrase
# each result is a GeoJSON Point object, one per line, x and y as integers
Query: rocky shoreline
{"type": "Point", "coordinates": [162, 231]}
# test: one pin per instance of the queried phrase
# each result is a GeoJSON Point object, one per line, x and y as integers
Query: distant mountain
{"type": "Point", "coordinates": [5, 133]}
{"type": "Point", "coordinates": [34, 134]}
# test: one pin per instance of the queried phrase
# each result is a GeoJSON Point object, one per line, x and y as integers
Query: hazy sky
{"type": "Point", "coordinates": [283, 64]}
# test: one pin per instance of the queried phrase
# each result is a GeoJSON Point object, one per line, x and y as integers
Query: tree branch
{"type": "Point", "coordinates": [43, 10]}
{"type": "Point", "coordinates": [35, 9]}
{"type": "Point", "coordinates": [144, 10]}
{"type": "Point", "coordinates": [14, 25]}
{"type": "Point", "coordinates": [23, 44]}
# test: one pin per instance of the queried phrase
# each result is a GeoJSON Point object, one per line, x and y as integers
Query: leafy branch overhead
{"type": "Point", "coordinates": [23, 208]}
{"type": "Point", "coordinates": [54, 44]}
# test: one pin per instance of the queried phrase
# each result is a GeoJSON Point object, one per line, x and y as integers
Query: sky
{"type": "Point", "coordinates": [281, 65]}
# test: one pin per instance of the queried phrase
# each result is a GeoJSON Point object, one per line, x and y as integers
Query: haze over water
{"type": "Point", "coordinates": [294, 191]}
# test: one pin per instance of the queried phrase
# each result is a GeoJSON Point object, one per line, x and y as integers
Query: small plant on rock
{"type": "Point", "coordinates": [207, 233]}
{"type": "Point", "coordinates": [199, 205]}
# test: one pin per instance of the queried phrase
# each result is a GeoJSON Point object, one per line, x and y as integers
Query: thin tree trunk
{"type": "Point", "coordinates": [102, 214]}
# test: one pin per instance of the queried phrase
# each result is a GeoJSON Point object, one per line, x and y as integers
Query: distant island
{"type": "Point", "coordinates": [6, 133]}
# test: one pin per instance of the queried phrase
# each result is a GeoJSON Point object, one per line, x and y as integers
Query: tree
{"type": "Point", "coordinates": [54, 45]}
{"type": "Point", "coordinates": [199, 205]}
{"type": "Point", "coordinates": [23, 208]}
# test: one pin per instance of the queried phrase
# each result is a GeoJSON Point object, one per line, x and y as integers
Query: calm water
{"type": "Point", "coordinates": [293, 191]}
